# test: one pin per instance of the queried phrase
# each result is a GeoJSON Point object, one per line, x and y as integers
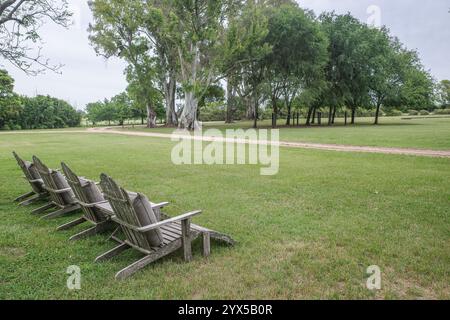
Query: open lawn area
{"type": "Point", "coordinates": [403, 132]}
{"type": "Point", "coordinates": [309, 232]}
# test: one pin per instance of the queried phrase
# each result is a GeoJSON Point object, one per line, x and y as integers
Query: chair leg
{"type": "Point", "coordinates": [71, 224]}
{"type": "Point", "coordinates": [24, 196]}
{"type": "Point", "coordinates": [98, 228]}
{"type": "Point", "coordinates": [136, 266]}
{"type": "Point", "coordinates": [85, 233]}
{"type": "Point", "coordinates": [43, 208]}
{"type": "Point", "coordinates": [30, 201]}
{"type": "Point", "coordinates": [61, 212]}
{"type": "Point", "coordinates": [206, 236]}
{"type": "Point", "coordinates": [222, 237]}
{"type": "Point", "coordinates": [112, 253]}
{"type": "Point", "coordinates": [186, 239]}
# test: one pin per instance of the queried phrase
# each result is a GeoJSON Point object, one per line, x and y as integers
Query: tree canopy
{"type": "Point", "coordinates": [273, 55]}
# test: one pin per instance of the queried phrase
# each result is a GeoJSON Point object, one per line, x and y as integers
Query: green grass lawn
{"type": "Point", "coordinates": [417, 132]}
{"type": "Point", "coordinates": [309, 232]}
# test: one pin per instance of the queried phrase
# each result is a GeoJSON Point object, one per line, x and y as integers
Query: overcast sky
{"type": "Point", "coordinates": [420, 25]}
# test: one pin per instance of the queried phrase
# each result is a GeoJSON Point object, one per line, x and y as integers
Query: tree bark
{"type": "Point", "coordinates": [169, 92]}
{"type": "Point", "coordinates": [255, 111]}
{"type": "Point", "coordinates": [377, 114]}
{"type": "Point", "coordinates": [230, 102]}
{"type": "Point", "coordinates": [151, 116]}
{"type": "Point", "coordinates": [353, 115]}
{"type": "Point", "coordinates": [334, 115]}
{"type": "Point", "coordinates": [308, 117]}
{"type": "Point", "coordinates": [249, 108]}
{"type": "Point", "coordinates": [289, 107]}
{"type": "Point", "coordinates": [313, 115]}
{"type": "Point", "coordinates": [188, 118]}
{"type": "Point", "coordinates": [330, 116]}
{"type": "Point", "coordinates": [275, 112]}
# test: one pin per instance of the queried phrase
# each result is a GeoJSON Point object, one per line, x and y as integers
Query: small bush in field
{"type": "Point", "coordinates": [413, 112]}
{"type": "Point", "coordinates": [442, 111]}
{"type": "Point", "coordinates": [394, 113]}
{"type": "Point", "coordinates": [424, 113]}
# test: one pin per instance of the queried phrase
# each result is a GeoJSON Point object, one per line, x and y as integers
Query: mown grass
{"type": "Point", "coordinates": [403, 132]}
{"type": "Point", "coordinates": [309, 232]}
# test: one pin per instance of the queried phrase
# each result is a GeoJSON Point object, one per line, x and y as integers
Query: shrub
{"type": "Point", "coordinates": [442, 111]}
{"type": "Point", "coordinates": [365, 113]}
{"type": "Point", "coordinates": [424, 112]}
{"type": "Point", "coordinates": [394, 113]}
{"type": "Point", "coordinates": [413, 112]}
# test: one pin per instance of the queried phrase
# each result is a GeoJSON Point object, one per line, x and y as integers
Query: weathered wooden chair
{"type": "Point", "coordinates": [61, 195]}
{"type": "Point", "coordinates": [88, 196]}
{"type": "Point", "coordinates": [31, 174]}
{"type": "Point", "coordinates": [143, 229]}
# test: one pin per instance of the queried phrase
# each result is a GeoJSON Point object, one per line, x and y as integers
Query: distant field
{"type": "Point", "coordinates": [309, 232]}
{"type": "Point", "coordinates": [417, 132]}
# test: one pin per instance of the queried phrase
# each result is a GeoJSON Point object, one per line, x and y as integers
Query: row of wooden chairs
{"type": "Point", "coordinates": [130, 218]}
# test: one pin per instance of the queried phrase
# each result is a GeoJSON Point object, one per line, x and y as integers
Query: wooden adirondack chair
{"type": "Point", "coordinates": [176, 232]}
{"type": "Point", "coordinates": [61, 195]}
{"type": "Point", "coordinates": [32, 176]}
{"type": "Point", "coordinates": [88, 196]}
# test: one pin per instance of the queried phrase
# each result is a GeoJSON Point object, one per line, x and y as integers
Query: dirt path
{"type": "Point", "coordinates": [302, 145]}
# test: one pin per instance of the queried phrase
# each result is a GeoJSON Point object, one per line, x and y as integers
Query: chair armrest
{"type": "Point", "coordinates": [181, 217]}
{"type": "Point", "coordinates": [159, 205]}
{"type": "Point", "coordinates": [159, 224]}
{"type": "Point", "coordinates": [90, 205]}
{"type": "Point", "coordinates": [36, 181]}
{"type": "Point", "coordinates": [57, 191]}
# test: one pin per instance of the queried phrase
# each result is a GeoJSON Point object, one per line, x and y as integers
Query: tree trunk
{"type": "Point", "coordinates": [308, 117]}
{"type": "Point", "coordinates": [334, 115]}
{"type": "Point", "coordinates": [169, 92]}
{"type": "Point", "coordinates": [353, 115]}
{"type": "Point", "coordinates": [275, 112]}
{"type": "Point", "coordinates": [151, 117]}
{"type": "Point", "coordinates": [289, 107]}
{"type": "Point", "coordinates": [255, 111]}
{"type": "Point", "coordinates": [314, 116]}
{"type": "Point", "coordinates": [377, 114]}
{"type": "Point", "coordinates": [230, 102]}
{"type": "Point", "coordinates": [249, 108]}
{"type": "Point", "coordinates": [330, 116]}
{"type": "Point", "coordinates": [188, 118]}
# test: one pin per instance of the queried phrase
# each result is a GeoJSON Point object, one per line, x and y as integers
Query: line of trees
{"type": "Point", "coordinates": [271, 55]}
{"type": "Point", "coordinates": [118, 109]}
{"type": "Point", "coordinates": [40, 112]}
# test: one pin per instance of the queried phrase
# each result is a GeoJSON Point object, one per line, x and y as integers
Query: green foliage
{"type": "Point", "coordinates": [213, 111]}
{"type": "Point", "coordinates": [117, 109]}
{"type": "Point", "coordinates": [443, 93]}
{"type": "Point", "coordinates": [442, 111]}
{"type": "Point", "coordinates": [394, 113]}
{"type": "Point", "coordinates": [10, 103]}
{"type": "Point", "coordinates": [267, 50]}
{"type": "Point", "coordinates": [41, 112]}
{"type": "Point", "coordinates": [45, 112]}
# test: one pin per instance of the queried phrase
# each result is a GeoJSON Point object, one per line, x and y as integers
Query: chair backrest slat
{"type": "Point", "coordinates": [49, 182]}
{"type": "Point", "coordinates": [124, 211]}
{"type": "Point", "coordinates": [76, 184]}
{"type": "Point", "coordinates": [37, 188]}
